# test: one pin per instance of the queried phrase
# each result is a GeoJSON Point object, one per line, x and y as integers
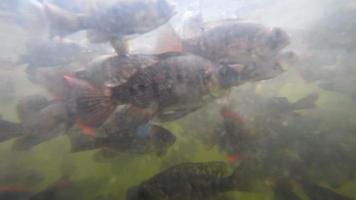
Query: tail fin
{"type": "Point", "coordinates": [9, 130]}
{"type": "Point", "coordinates": [62, 22]}
{"type": "Point", "coordinates": [306, 102]}
{"type": "Point", "coordinates": [92, 106]}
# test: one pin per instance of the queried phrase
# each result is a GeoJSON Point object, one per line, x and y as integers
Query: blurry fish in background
{"type": "Point", "coordinates": [27, 14]}
{"type": "Point", "coordinates": [50, 53]}
{"type": "Point", "coordinates": [111, 22]}
{"type": "Point", "coordinates": [233, 41]}
{"type": "Point", "coordinates": [187, 181]}
{"type": "Point", "coordinates": [41, 120]}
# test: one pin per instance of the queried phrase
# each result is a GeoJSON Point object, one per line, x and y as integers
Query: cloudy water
{"type": "Point", "coordinates": [177, 100]}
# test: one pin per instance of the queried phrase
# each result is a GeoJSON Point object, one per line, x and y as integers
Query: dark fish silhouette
{"type": "Point", "coordinates": [186, 181]}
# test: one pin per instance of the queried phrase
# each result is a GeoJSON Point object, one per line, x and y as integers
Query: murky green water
{"type": "Point", "coordinates": [109, 178]}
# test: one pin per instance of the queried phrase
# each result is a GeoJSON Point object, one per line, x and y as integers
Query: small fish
{"type": "Point", "coordinates": [116, 19]}
{"type": "Point", "coordinates": [186, 181]}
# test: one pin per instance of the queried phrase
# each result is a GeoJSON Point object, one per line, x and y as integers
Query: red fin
{"type": "Point", "coordinates": [86, 130]}
{"type": "Point", "coordinates": [226, 114]}
{"type": "Point", "coordinates": [233, 157]}
{"type": "Point", "coordinates": [92, 106]}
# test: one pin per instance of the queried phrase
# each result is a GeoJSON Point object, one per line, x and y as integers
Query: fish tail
{"type": "Point", "coordinates": [306, 102]}
{"type": "Point", "coordinates": [9, 130]}
{"type": "Point", "coordinates": [92, 107]}
{"type": "Point", "coordinates": [63, 22]}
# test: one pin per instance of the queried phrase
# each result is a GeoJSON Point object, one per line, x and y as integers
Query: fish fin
{"type": "Point", "coordinates": [86, 130]}
{"type": "Point", "coordinates": [62, 22]}
{"type": "Point", "coordinates": [9, 130]}
{"type": "Point", "coordinates": [168, 40]}
{"type": "Point", "coordinates": [92, 106]}
{"type": "Point", "coordinates": [306, 102]}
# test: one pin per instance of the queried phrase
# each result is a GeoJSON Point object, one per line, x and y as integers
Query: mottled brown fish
{"type": "Point", "coordinates": [177, 81]}
{"type": "Point", "coordinates": [186, 181]}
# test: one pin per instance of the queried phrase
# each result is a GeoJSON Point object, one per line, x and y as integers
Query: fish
{"type": "Point", "coordinates": [43, 52]}
{"type": "Point", "coordinates": [206, 180]}
{"type": "Point", "coordinates": [254, 104]}
{"type": "Point", "coordinates": [41, 120]}
{"type": "Point", "coordinates": [235, 41]}
{"type": "Point", "coordinates": [29, 105]}
{"type": "Point", "coordinates": [112, 20]}
{"type": "Point", "coordinates": [177, 80]}
{"type": "Point", "coordinates": [112, 70]}
{"type": "Point", "coordinates": [128, 131]}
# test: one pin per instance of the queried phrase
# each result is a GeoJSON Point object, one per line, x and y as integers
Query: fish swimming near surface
{"type": "Point", "coordinates": [112, 21]}
{"type": "Point", "coordinates": [187, 181]}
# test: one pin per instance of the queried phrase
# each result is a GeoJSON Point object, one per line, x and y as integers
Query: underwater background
{"type": "Point", "coordinates": [100, 178]}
